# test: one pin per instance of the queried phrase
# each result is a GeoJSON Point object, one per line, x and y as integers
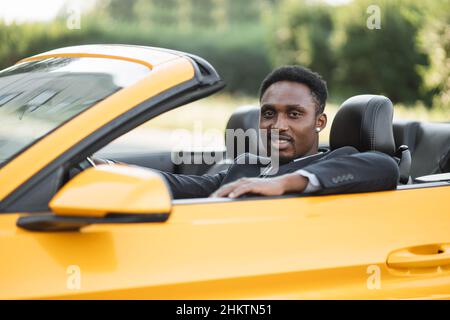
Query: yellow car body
{"type": "Point", "coordinates": [380, 245]}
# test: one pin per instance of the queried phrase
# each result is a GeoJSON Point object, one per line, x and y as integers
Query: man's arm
{"type": "Point", "coordinates": [185, 186]}
{"type": "Point", "coordinates": [192, 186]}
{"type": "Point", "coordinates": [359, 172]}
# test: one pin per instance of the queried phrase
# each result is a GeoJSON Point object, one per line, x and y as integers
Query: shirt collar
{"type": "Point", "coordinates": [311, 155]}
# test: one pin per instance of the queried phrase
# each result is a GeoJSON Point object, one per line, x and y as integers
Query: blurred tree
{"type": "Point", "coordinates": [12, 46]}
{"type": "Point", "coordinates": [240, 12]}
{"type": "Point", "coordinates": [121, 10]}
{"type": "Point", "coordinates": [381, 61]}
{"type": "Point", "coordinates": [184, 15]}
{"type": "Point", "coordinates": [203, 13]}
{"type": "Point", "coordinates": [435, 39]}
{"type": "Point", "coordinates": [143, 11]}
{"type": "Point", "coordinates": [220, 14]}
{"type": "Point", "coordinates": [301, 34]}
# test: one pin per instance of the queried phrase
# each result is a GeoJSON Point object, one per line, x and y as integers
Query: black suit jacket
{"type": "Point", "coordinates": [344, 170]}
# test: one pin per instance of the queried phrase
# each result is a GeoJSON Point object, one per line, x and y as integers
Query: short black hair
{"type": "Point", "coordinates": [299, 74]}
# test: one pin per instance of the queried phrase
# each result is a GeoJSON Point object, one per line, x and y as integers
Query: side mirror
{"type": "Point", "coordinates": [105, 194]}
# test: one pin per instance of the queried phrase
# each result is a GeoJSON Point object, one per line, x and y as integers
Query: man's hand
{"type": "Point", "coordinates": [287, 183]}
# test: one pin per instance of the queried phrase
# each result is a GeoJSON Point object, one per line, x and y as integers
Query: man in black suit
{"type": "Point", "coordinates": [292, 102]}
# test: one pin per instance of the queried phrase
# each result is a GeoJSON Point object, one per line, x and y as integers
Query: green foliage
{"type": "Point", "coordinates": [20, 41]}
{"type": "Point", "coordinates": [302, 35]}
{"type": "Point", "coordinates": [383, 61]}
{"type": "Point", "coordinates": [406, 60]}
{"type": "Point", "coordinates": [121, 10]}
{"type": "Point", "coordinates": [435, 39]}
{"type": "Point", "coordinates": [238, 53]}
{"type": "Point", "coordinates": [336, 42]}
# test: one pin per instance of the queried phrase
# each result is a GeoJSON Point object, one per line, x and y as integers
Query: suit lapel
{"type": "Point", "coordinates": [297, 164]}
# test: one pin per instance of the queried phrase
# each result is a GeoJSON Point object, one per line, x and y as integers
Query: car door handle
{"type": "Point", "coordinates": [426, 256]}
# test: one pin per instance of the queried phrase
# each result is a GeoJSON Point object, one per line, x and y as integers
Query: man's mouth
{"type": "Point", "coordinates": [281, 142]}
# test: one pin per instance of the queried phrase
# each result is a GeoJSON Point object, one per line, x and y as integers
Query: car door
{"type": "Point", "coordinates": [380, 245]}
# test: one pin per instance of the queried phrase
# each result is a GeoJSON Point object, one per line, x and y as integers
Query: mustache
{"type": "Point", "coordinates": [280, 137]}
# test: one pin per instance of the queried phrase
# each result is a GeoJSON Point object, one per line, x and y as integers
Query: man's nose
{"type": "Point", "coordinates": [280, 123]}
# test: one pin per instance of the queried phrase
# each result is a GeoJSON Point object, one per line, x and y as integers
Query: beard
{"type": "Point", "coordinates": [285, 159]}
{"type": "Point", "coordinates": [281, 158]}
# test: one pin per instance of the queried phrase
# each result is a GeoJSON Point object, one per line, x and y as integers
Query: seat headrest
{"type": "Point", "coordinates": [246, 117]}
{"type": "Point", "coordinates": [364, 122]}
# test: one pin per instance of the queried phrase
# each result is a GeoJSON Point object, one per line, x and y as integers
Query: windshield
{"type": "Point", "coordinates": [37, 97]}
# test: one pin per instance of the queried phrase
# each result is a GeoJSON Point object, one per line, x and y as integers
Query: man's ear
{"type": "Point", "coordinates": [321, 121]}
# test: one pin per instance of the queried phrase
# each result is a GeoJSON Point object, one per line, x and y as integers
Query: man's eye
{"type": "Point", "coordinates": [295, 114]}
{"type": "Point", "coordinates": [268, 114]}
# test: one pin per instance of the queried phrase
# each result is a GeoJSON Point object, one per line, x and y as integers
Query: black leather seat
{"type": "Point", "coordinates": [365, 123]}
{"type": "Point", "coordinates": [429, 144]}
{"type": "Point", "coordinates": [244, 118]}
{"type": "Point", "coordinates": [405, 133]}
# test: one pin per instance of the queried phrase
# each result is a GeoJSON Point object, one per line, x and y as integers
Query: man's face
{"type": "Point", "coordinates": [290, 108]}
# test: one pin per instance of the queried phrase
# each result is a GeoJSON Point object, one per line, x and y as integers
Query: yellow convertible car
{"type": "Point", "coordinates": [70, 228]}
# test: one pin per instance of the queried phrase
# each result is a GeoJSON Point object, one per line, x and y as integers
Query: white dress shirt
{"type": "Point", "coordinates": [313, 182]}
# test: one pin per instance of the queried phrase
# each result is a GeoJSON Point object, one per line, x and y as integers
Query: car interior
{"type": "Point", "coordinates": [422, 151]}
{"type": "Point", "coordinates": [365, 122]}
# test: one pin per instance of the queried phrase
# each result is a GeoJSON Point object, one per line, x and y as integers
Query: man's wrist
{"type": "Point", "coordinates": [293, 182]}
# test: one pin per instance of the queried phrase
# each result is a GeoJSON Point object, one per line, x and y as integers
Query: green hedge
{"type": "Point", "coordinates": [238, 54]}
